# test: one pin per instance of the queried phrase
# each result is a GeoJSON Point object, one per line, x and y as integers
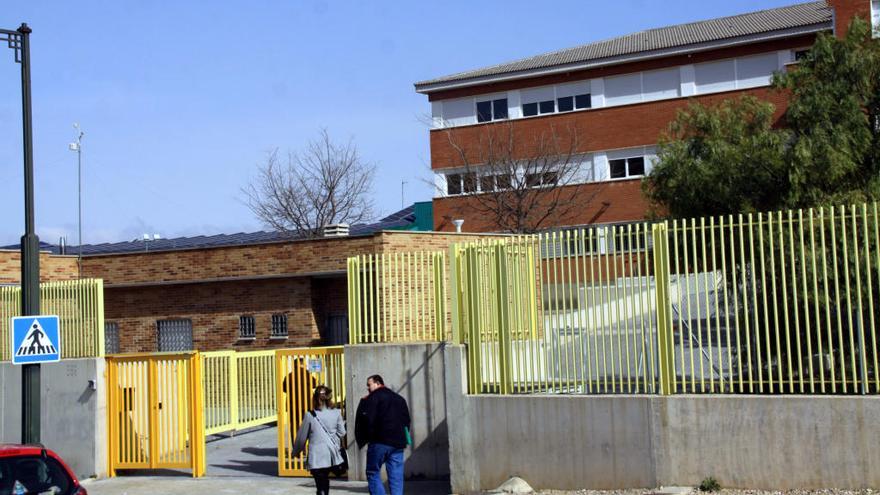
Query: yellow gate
{"type": "Point", "coordinates": [154, 405]}
{"type": "Point", "coordinates": [298, 372]}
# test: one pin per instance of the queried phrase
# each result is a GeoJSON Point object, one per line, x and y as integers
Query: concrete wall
{"type": "Point", "coordinates": [415, 371]}
{"type": "Point", "coordinates": [73, 417]}
{"type": "Point", "coordinates": [612, 442]}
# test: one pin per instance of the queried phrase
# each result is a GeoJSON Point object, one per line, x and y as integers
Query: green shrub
{"type": "Point", "coordinates": [709, 484]}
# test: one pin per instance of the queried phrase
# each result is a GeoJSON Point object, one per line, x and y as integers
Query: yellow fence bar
{"type": "Point", "coordinates": [79, 305]}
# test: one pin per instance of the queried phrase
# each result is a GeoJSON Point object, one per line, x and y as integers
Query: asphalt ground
{"type": "Point", "coordinates": [244, 463]}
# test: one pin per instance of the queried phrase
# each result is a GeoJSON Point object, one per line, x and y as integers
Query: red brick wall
{"type": "Point", "coordinates": [214, 309]}
{"type": "Point", "coordinates": [52, 268]}
{"type": "Point", "coordinates": [846, 10]}
{"type": "Point", "coordinates": [615, 201]}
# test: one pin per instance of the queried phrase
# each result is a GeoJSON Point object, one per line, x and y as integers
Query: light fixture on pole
{"type": "Point", "coordinates": [77, 146]}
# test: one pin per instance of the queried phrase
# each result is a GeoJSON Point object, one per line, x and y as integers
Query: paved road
{"type": "Point", "coordinates": [245, 463]}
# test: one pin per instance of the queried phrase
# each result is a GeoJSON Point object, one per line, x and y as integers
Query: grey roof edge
{"type": "Point", "coordinates": [426, 87]}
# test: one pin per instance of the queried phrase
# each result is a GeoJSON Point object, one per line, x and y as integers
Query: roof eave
{"type": "Point", "coordinates": [428, 88]}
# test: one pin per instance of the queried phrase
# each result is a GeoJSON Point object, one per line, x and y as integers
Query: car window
{"type": "Point", "coordinates": [36, 474]}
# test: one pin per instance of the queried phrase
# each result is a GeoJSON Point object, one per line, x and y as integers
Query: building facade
{"type": "Point", "coordinates": [608, 103]}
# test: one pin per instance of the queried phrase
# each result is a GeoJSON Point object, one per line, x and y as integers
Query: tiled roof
{"type": "Point", "coordinates": [813, 14]}
{"type": "Point", "coordinates": [403, 218]}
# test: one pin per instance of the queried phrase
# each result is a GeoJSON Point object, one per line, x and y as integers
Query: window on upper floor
{"type": "Point", "coordinates": [492, 110]}
{"type": "Point", "coordinates": [875, 17]}
{"type": "Point", "coordinates": [453, 184]}
{"type": "Point", "coordinates": [627, 167]}
{"type": "Point", "coordinates": [469, 182]}
{"type": "Point", "coordinates": [279, 326]}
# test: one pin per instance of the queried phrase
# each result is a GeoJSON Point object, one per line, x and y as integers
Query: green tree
{"type": "Point", "coordinates": [834, 117]}
{"type": "Point", "coordinates": [719, 160]}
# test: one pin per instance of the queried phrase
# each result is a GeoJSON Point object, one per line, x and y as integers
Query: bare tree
{"type": "Point", "coordinates": [522, 181]}
{"type": "Point", "coordinates": [325, 184]}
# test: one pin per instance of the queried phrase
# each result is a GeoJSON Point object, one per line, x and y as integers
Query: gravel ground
{"type": "Point", "coordinates": [719, 492]}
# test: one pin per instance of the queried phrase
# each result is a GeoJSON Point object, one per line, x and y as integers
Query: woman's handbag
{"type": "Point", "coordinates": [341, 468]}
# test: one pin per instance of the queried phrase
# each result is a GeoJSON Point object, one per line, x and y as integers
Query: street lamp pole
{"type": "Point", "coordinates": [77, 146]}
{"type": "Point", "coordinates": [19, 41]}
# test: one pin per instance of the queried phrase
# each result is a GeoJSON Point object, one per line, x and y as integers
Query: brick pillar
{"type": "Point", "coordinates": [846, 10]}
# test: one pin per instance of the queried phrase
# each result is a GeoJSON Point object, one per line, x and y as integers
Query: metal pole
{"type": "Point", "coordinates": [30, 254]}
{"type": "Point", "coordinates": [79, 198]}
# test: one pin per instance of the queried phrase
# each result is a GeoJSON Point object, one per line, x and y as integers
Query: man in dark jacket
{"type": "Point", "coordinates": [383, 422]}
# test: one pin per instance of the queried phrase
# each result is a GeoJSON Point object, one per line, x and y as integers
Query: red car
{"type": "Point", "coordinates": [33, 469]}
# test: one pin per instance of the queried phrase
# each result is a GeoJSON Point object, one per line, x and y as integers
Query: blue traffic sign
{"type": "Point", "coordinates": [35, 339]}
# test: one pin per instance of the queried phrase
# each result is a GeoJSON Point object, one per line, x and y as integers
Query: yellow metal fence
{"type": "Point", "coordinates": [79, 305]}
{"type": "Point", "coordinates": [769, 303]}
{"type": "Point", "coordinates": [397, 297]}
{"type": "Point", "coordinates": [239, 390]}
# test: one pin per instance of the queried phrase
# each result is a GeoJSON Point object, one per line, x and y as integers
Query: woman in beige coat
{"type": "Point", "coordinates": [324, 429]}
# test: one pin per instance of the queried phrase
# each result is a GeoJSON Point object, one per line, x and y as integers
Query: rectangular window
{"type": "Point", "coordinates": [492, 110]}
{"type": "Point", "coordinates": [499, 109]}
{"type": "Point", "coordinates": [565, 104]}
{"type": "Point", "coordinates": [582, 101]}
{"type": "Point", "coordinates": [533, 180]}
{"type": "Point", "coordinates": [546, 107]}
{"type": "Point", "coordinates": [875, 17]}
{"type": "Point", "coordinates": [487, 183]}
{"type": "Point", "coordinates": [247, 327]}
{"type": "Point", "coordinates": [503, 181]}
{"type": "Point", "coordinates": [627, 167]}
{"type": "Point", "coordinates": [530, 109]}
{"type": "Point", "coordinates": [111, 337]}
{"type": "Point", "coordinates": [469, 181]}
{"type": "Point", "coordinates": [800, 55]}
{"type": "Point", "coordinates": [661, 84]}
{"type": "Point", "coordinates": [756, 70]}
{"type": "Point", "coordinates": [484, 111]}
{"type": "Point", "coordinates": [279, 326]}
{"type": "Point", "coordinates": [550, 178]}
{"type": "Point", "coordinates": [715, 76]}
{"type": "Point", "coordinates": [453, 184]}
{"type": "Point", "coordinates": [623, 90]}
{"type": "Point", "coordinates": [618, 168]}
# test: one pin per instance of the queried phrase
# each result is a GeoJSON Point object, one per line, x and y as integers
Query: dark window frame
{"type": "Point", "coordinates": [280, 329]}
{"type": "Point", "coordinates": [247, 327]}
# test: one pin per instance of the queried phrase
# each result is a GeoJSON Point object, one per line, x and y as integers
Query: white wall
{"type": "Point", "coordinates": [686, 80]}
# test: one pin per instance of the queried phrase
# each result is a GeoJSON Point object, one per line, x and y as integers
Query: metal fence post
{"type": "Point", "coordinates": [454, 293]}
{"type": "Point", "coordinates": [665, 342]}
{"type": "Point", "coordinates": [502, 302]}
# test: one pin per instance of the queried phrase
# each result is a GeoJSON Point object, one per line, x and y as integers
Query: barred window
{"type": "Point", "coordinates": [247, 328]}
{"type": "Point", "coordinates": [279, 325]}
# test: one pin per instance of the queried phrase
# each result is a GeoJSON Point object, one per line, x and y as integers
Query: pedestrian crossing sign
{"type": "Point", "coordinates": [35, 339]}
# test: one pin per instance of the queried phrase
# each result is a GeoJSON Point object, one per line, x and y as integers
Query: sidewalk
{"type": "Point", "coordinates": [171, 485]}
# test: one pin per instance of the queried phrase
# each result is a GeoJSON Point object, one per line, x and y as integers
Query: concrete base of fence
{"type": "Point", "coordinates": [415, 371]}
{"type": "Point", "coordinates": [73, 415]}
{"type": "Point", "coordinates": [613, 442]}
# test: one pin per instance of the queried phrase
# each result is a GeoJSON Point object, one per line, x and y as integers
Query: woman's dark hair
{"type": "Point", "coordinates": [322, 398]}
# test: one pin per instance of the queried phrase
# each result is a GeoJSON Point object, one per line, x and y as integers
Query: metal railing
{"type": "Point", "coordinates": [397, 297]}
{"type": "Point", "coordinates": [771, 303]}
{"type": "Point", "coordinates": [239, 390]}
{"type": "Point", "coordinates": [79, 305]}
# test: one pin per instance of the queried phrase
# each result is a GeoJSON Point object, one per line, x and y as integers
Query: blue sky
{"type": "Point", "coordinates": [180, 101]}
